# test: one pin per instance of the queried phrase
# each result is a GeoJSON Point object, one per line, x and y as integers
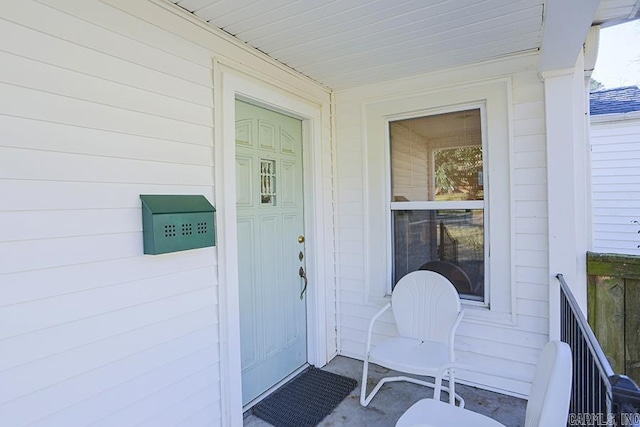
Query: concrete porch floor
{"type": "Point", "coordinates": [396, 397]}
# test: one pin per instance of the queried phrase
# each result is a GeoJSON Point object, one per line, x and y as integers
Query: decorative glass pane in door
{"type": "Point", "coordinates": [267, 182]}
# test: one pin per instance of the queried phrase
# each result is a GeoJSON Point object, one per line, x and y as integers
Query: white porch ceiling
{"type": "Point", "coordinates": [613, 12]}
{"type": "Point", "coordinates": [345, 43]}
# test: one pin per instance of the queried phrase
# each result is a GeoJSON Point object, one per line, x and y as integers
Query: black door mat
{"type": "Point", "coordinates": [306, 399]}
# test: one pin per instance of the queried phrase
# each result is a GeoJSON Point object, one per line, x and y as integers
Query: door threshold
{"type": "Point", "coordinates": [246, 409]}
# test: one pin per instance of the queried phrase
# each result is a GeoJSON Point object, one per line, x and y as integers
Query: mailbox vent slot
{"type": "Point", "coordinates": [169, 231]}
{"type": "Point", "coordinates": [173, 223]}
{"type": "Point", "coordinates": [187, 229]}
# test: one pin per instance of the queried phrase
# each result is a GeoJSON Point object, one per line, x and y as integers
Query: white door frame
{"type": "Point", "coordinates": [230, 84]}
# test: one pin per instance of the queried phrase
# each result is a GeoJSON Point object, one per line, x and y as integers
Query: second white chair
{"type": "Point", "coordinates": [426, 308]}
{"type": "Point", "coordinates": [548, 404]}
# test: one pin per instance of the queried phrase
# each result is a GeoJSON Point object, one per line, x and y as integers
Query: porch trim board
{"type": "Point", "coordinates": [563, 39]}
{"type": "Point", "coordinates": [567, 154]}
{"type": "Point", "coordinates": [232, 84]}
{"type": "Point", "coordinates": [494, 98]}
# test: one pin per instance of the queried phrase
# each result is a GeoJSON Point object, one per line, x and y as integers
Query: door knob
{"type": "Point", "coordinates": [301, 239]}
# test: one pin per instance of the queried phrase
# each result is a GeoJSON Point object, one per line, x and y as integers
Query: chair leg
{"type": "Point", "coordinates": [365, 400]}
{"type": "Point", "coordinates": [363, 384]}
{"type": "Point", "coordinates": [452, 390]}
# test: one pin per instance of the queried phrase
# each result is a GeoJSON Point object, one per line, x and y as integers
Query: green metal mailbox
{"type": "Point", "coordinates": [172, 223]}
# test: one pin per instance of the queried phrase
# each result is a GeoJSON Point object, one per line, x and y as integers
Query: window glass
{"type": "Point", "coordinates": [458, 173]}
{"type": "Point", "coordinates": [437, 163]}
{"type": "Point", "coordinates": [437, 157]}
{"type": "Point", "coordinates": [450, 242]}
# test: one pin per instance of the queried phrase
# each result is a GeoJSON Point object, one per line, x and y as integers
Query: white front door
{"type": "Point", "coordinates": [269, 202]}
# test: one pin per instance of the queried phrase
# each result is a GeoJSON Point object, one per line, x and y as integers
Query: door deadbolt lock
{"type": "Point", "coordinates": [301, 239]}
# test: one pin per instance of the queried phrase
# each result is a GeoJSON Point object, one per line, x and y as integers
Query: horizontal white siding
{"type": "Point", "coordinates": [101, 101]}
{"type": "Point", "coordinates": [615, 180]}
{"type": "Point", "coordinates": [511, 348]}
{"type": "Point", "coordinates": [91, 330]}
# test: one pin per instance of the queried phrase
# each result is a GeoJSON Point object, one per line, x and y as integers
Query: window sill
{"type": "Point", "coordinates": [482, 314]}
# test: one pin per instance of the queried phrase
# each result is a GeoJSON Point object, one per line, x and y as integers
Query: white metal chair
{"type": "Point", "coordinates": [548, 403]}
{"type": "Point", "coordinates": [426, 308]}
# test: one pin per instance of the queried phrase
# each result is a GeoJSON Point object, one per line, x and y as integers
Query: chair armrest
{"type": "Point", "coordinates": [373, 320]}
{"type": "Point", "coordinates": [452, 334]}
{"type": "Point", "coordinates": [465, 367]}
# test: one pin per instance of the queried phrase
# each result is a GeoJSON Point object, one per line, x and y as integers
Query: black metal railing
{"type": "Point", "coordinates": [448, 248]}
{"type": "Point", "coordinates": [599, 397]}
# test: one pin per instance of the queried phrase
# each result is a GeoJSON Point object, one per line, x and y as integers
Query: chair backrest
{"type": "Point", "coordinates": [425, 306]}
{"type": "Point", "coordinates": [457, 276]}
{"type": "Point", "coordinates": [551, 388]}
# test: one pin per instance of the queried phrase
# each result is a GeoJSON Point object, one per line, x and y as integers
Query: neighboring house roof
{"type": "Point", "coordinates": [618, 100]}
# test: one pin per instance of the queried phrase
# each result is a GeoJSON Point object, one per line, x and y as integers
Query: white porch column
{"type": "Point", "coordinates": [591, 46]}
{"type": "Point", "coordinates": [567, 185]}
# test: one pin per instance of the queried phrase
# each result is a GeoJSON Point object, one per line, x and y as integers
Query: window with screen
{"type": "Point", "coordinates": [438, 198]}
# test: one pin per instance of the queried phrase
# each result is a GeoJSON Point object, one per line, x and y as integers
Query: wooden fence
{"type": "Point", "coordinates": [613, 298]}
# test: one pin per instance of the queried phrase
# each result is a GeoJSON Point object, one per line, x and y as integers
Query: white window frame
{"type": "Point", "coordinates": [495, 95]}
{"type": "Point", "coordinates": [432, 205]}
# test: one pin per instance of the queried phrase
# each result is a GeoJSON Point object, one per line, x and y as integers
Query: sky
{"type": "Point", "coordinates": [618, 62]}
